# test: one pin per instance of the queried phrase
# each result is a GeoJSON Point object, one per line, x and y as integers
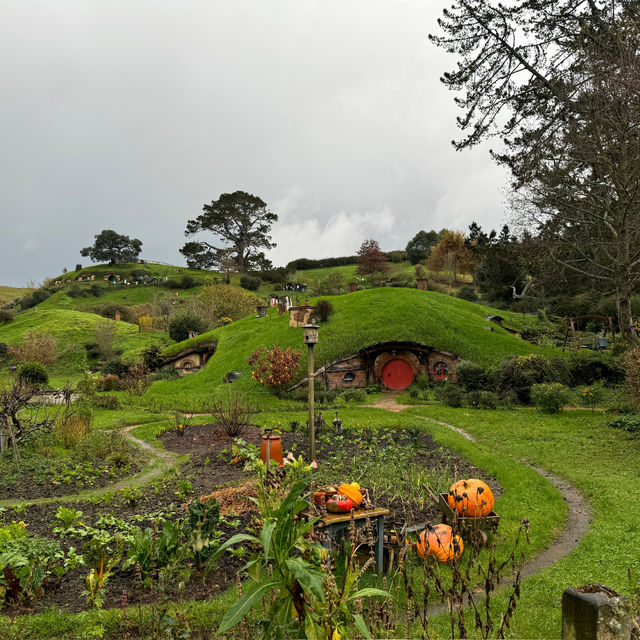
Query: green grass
{"type": "Point", "coordinates": [72, 330]}
{"type": "Point", "coordinates": [9, 294]}
{"type": "Point", "coordinates": [361, 319]}
{"type": "Point", "coordinates": [602, 463]}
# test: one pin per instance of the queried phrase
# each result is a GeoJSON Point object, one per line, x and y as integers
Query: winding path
{"type": "Point", "coordinates": [160, 461]}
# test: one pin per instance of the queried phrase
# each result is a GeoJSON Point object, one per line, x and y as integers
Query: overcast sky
{"type": "Point", "coordinates": [131, 114]}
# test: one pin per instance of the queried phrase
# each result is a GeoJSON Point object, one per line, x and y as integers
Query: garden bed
{"type": "Point", "coordinates": [372, 458]}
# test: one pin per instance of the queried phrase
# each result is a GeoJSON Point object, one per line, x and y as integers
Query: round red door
{"type": "Point", "coordinates": [397, 374]}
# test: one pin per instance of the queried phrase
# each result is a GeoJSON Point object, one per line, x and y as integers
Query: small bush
{"type": "Point", "coordinates": [114, 367]}
{"type": "Point", "coordinates": [101, 445]}
{"type": "Point", "coordinates": [110, 382]}
{"type": "Point", "coordinates": [37, 347]}
{"type": "Point", "coordinates": [106, 402]}
{"type": "Point", "coordinates": [152, 357]}
{"type": "Point", "coordinates": [354, 395]}
{"type": "Point", "coordinates": [232, 410]}
{"type": "Point", "coordinates": [550, 397]}
{"type": "Point", "coordinates": [93, 350]}
{"type": "Point", "coordinates": [449, 393]}
{"type": "Point", "coordinates": [470, 376]}
{"type": "Point", "coordinates": [422, 382]}
{"type": "Point", "coordinates": [630, 423]}
{"type": "Point", "coordinates": [482, 399]}
{"type": "Point", "coordinates": [166, 374]}
{"type": "Point", "coordinates": [6, 315]}
{"type": "Point", "coordinates": [4, 350]}
{"type": "Point", "coordinates": [591, 396]}
{"type": "Point", "coordinates": [274, 366]}
{"type": "Point", "coordinates": [467, 293]}
{"type": "Point", "coordinates": [96, 290]}
{"type": "Point", "coordinates": [187, 281]}
{"type": "Point", "coordinates": [324, 309]}
{"type": "Point", "coordinates": [519, 374]}
{"type": "Point", "coordinates": [585, 368]}
{"type": "Point", "coordinates": [632, 375]}
{"type": "Point", "coordinates": [35, 298]}
{"type": "Point", "coordinates": [252, 283]}
{"type": "Point", "coordinates": [76, 291]}
{"type": "Point", "coordinates": [33, 373]}
{"type": "Point", "coordinates": [183, 323]}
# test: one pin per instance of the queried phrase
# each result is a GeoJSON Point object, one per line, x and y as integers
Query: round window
{"type": "Point", "coordinates": [349, 378]}
{"type": "Point", "coordinates": [187, 364]}
{"type": "Point", "coordinates": [441, 370]}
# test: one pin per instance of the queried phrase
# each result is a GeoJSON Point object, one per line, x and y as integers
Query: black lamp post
{"type": "Point", "coordinates": [310, 332]}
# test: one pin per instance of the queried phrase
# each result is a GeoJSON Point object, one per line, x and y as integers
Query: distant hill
{"type": "Point", "coordinates": [9, 294]}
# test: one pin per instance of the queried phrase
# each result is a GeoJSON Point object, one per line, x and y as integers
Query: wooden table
{"type": "Point", "coordinates": [337, 523]}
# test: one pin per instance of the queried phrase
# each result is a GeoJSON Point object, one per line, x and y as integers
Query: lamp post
{"type": "Point", "coordinates": [310, 332]}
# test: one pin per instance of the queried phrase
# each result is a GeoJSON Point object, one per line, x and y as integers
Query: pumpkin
{"type": "Point", "coordinates": [471, 498]}
{"type": "Point", "coordinates": [351, 492]}
{"type": "Point", "coordinates": [439, 542]}
{"type": "Point", "coordinates": [340, 504]}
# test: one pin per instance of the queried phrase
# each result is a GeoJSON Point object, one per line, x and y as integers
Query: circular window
{"type": "Point", "coordinates": [348, 378]}
{"type": "Point", "coordinates": [441, 370]}
{"type": "Point", "coordinates": [187, 364]}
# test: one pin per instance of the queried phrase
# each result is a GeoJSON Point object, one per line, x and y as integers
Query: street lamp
{"type": "Point", "coordinates": [310, 332]}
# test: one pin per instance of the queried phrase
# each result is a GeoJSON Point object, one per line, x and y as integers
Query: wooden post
{"type": "Point", "coordinates": [312, 423]}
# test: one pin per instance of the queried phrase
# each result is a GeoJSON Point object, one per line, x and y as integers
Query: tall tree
{"type": "Point", "coordinates": [451, 255]}
{"type": "Point", "coordinates": [557, 81]}
{"type": "Point", "coordinates": [419, 246]}
{"type": "Point", "coordinates": [241, 221]}
{"type": "Point", "coordinates": [113, 247]}
{"type": "Point", "coordinates": [371, 260]}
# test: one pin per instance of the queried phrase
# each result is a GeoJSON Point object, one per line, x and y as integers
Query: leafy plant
{"type": "Point", "coordinates": [274, 366]}
{"type": "Point", "coordinates": [33, 373]}
{"type": "Point", "coordinates": [550, 398]}
{"type": "Point", "coordinates": [102, 560]}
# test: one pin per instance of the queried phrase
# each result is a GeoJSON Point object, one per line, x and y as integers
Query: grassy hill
{"type": "Point", "coordinates": [360, 319]}
{"type": "Point", "coordinates": [9, 294]}
{"type": "Point", "coordinates": [72, 330]}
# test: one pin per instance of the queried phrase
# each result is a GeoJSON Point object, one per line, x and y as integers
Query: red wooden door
{"type": "Point", "coordinates": [397, 374]}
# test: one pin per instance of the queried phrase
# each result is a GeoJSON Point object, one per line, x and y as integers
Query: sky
{"type": "Point", "coordinates": [131, 114]}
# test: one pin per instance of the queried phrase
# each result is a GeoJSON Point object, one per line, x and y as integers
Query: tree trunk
{"type": "Point", "coordinates": [623, 288]}
{"type": "Point", "coordinates": [625, 317]}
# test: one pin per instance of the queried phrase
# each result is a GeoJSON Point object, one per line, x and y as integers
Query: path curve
{"type": "Point", "coordinates": [578, 510]}
{"type": "Point", "coordinates": [160, 461]}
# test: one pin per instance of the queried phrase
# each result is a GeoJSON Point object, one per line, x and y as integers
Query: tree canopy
{"type": "Point", "coordinates": [557, 82]}
{"type": "Point", "coordinates": [113, 247]}
{"type": "Point", "coordinates": [371, 259]}
{"type": "Point", "coordinates": [241, 222]}
{"type": "Point", "coordinates": [419, 246]}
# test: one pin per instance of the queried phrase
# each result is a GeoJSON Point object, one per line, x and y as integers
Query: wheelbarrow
{"type": "Point", "coordinates": [473, 528]}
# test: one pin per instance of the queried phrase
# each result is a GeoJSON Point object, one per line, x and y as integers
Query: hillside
{"type": "Point", "coordinates": [72, 330]}
{"type": "Point", "coordinates": [9, 294]}
{"type": "Point", "coordinates": [361, 319]}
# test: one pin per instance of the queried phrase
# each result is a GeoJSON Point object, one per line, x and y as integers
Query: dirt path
{"type": "Point", "coordinates": [160, 461]}
{"type": "Point", "coordinates": [389, 402]}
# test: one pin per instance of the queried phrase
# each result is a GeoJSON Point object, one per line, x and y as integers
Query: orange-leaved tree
{"type": "Point", "coordinates": [274, 366]}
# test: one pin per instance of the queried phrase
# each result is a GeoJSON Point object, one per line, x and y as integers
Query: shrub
{"type": "Point", "coordinates": [109, 310]}
{"type": "Point", "coordinates": [630, 423]}
{"type": "Point", "coordinates": [33, 373]}
{"type": "Point", "coordinates": [76, 291]}
{"type": "Point", "coordinates": [93, 350]}
{"type": "Point", "coordinates": [591, 396]}
{"type": "Point", "coordinates": [6, 315]}
{"type": "Point", "coordinates": [183, 323]}
{"type": "Point", "coordinates": [332, 285]}
{"type": "Point", "coordinates": [102, 445]}
{"type": "Point", "coordinates": [110, 382]}
{"type": "Point", "coordinates": [96, 290]}
{"type": "Point", "coordinates": [589, 367]}
{"type": "Point", "coordinates": [4, 350]}
{"type": "Point", "coordinates": [37, 347]}
{"type": "Point", "coordinates": [324, 309]}
{"type": "Point", "coordinates": [187, 281]}
{"type": "Point", "coordinates": [106, 402]}
{"type": "Point", "coordinates": [252, 283]}
{"type": "Point", "coordinates": [422, 382]}
{"type": "Point", "coordinates": [145, 323]}
{"type": "Point", "coordinates": [274, 366]}
{"type": "Point", "coordinates": [470, 376]}
{"type": "Point", "coordinates": [115, 367]}
{"type": "Point", "coordinates": [232, 410]}
{"type": "Point", "coordinates": [152, 357]}
{"type": "Point", "coordinates": [224, 301]}
{"type": "Point", "coordinates": [354, 395]}
{"type": "Point", "coordinates": [449, 393]}
{"type": "Point", "coordinates": [35, 298]}
{"type": "Point", "coordinates": [519, 374]}
{"type": "Point", "coordinates": [482, 399]}
{"type": "Point", "coordinates": [550, 397]}
{"type": "Point", "coordinates": [467, 293]}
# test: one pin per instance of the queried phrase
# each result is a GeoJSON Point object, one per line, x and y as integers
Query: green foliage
{"type": "Point", "coordinates": [419, 246]}
{"type": "Point", "coordinates": [521, 373]}
{"type": "Point", "coordinates": [550, 397]}
{"type": "Point", "coordinates": [324, 309]}
{"type": "Point", "coordinates": [252, 283]}
{"type": "Point", "coordinates": [34, 373]}
{"type": "Point", "coordinates": [467, 292]}
{"type": "Point", "coordinates": [6, 315]}
{"type": "Point", "coordinates": [4, 350]}
{"type": "Point", "coordinates": [102, 560]}
{"type": "Point", "coordinates": [470, 376]}
{"type": "Point", "coordinates": [449, 393]}
{"type": "Point", "coordinates": [482, 399]}
{"type": "Point", "coordinates": [152, 357]}
{"type": "Point", "coordinates": [112, 247]}
{"type": "Point", "coordinates": [591, 396]}
{"type": "Point", "coordinates": [183, 323]}
{"type": "Point", "coordinates": [114, 367]}
{"type": "Point", "coordinates": [587, 367]}
{"type": "Point", "coordinates": [630, 423]}
{"type": "Point", "coordinates": [38, 296]}
{"type": "Point", "coordinates": [187, 281]}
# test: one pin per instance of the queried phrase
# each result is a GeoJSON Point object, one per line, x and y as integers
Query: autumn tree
{"type": "Point", "coordinates": [371, 260]}
{"type": "Point", "coordinates": [240, 223]}
{"type": "Point", "coordinates": [451, 255]}
{"type": "Point", "coordinates": [274, 366]}
{"type": "Point", "coordinates": [557, 82]}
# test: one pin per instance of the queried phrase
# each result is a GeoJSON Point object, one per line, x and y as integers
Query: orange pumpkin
{"type": "Point", "coordinates": [471, 498]}
{"type": "Point", "coordinates": [351, 492]}
{"type": "Point", "coordinates": [439, 542]}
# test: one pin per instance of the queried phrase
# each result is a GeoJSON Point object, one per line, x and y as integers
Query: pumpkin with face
{"type": "Point", "coordinates": [471, 498]}
{"type": "Point", "coordinates": [439, 542]}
